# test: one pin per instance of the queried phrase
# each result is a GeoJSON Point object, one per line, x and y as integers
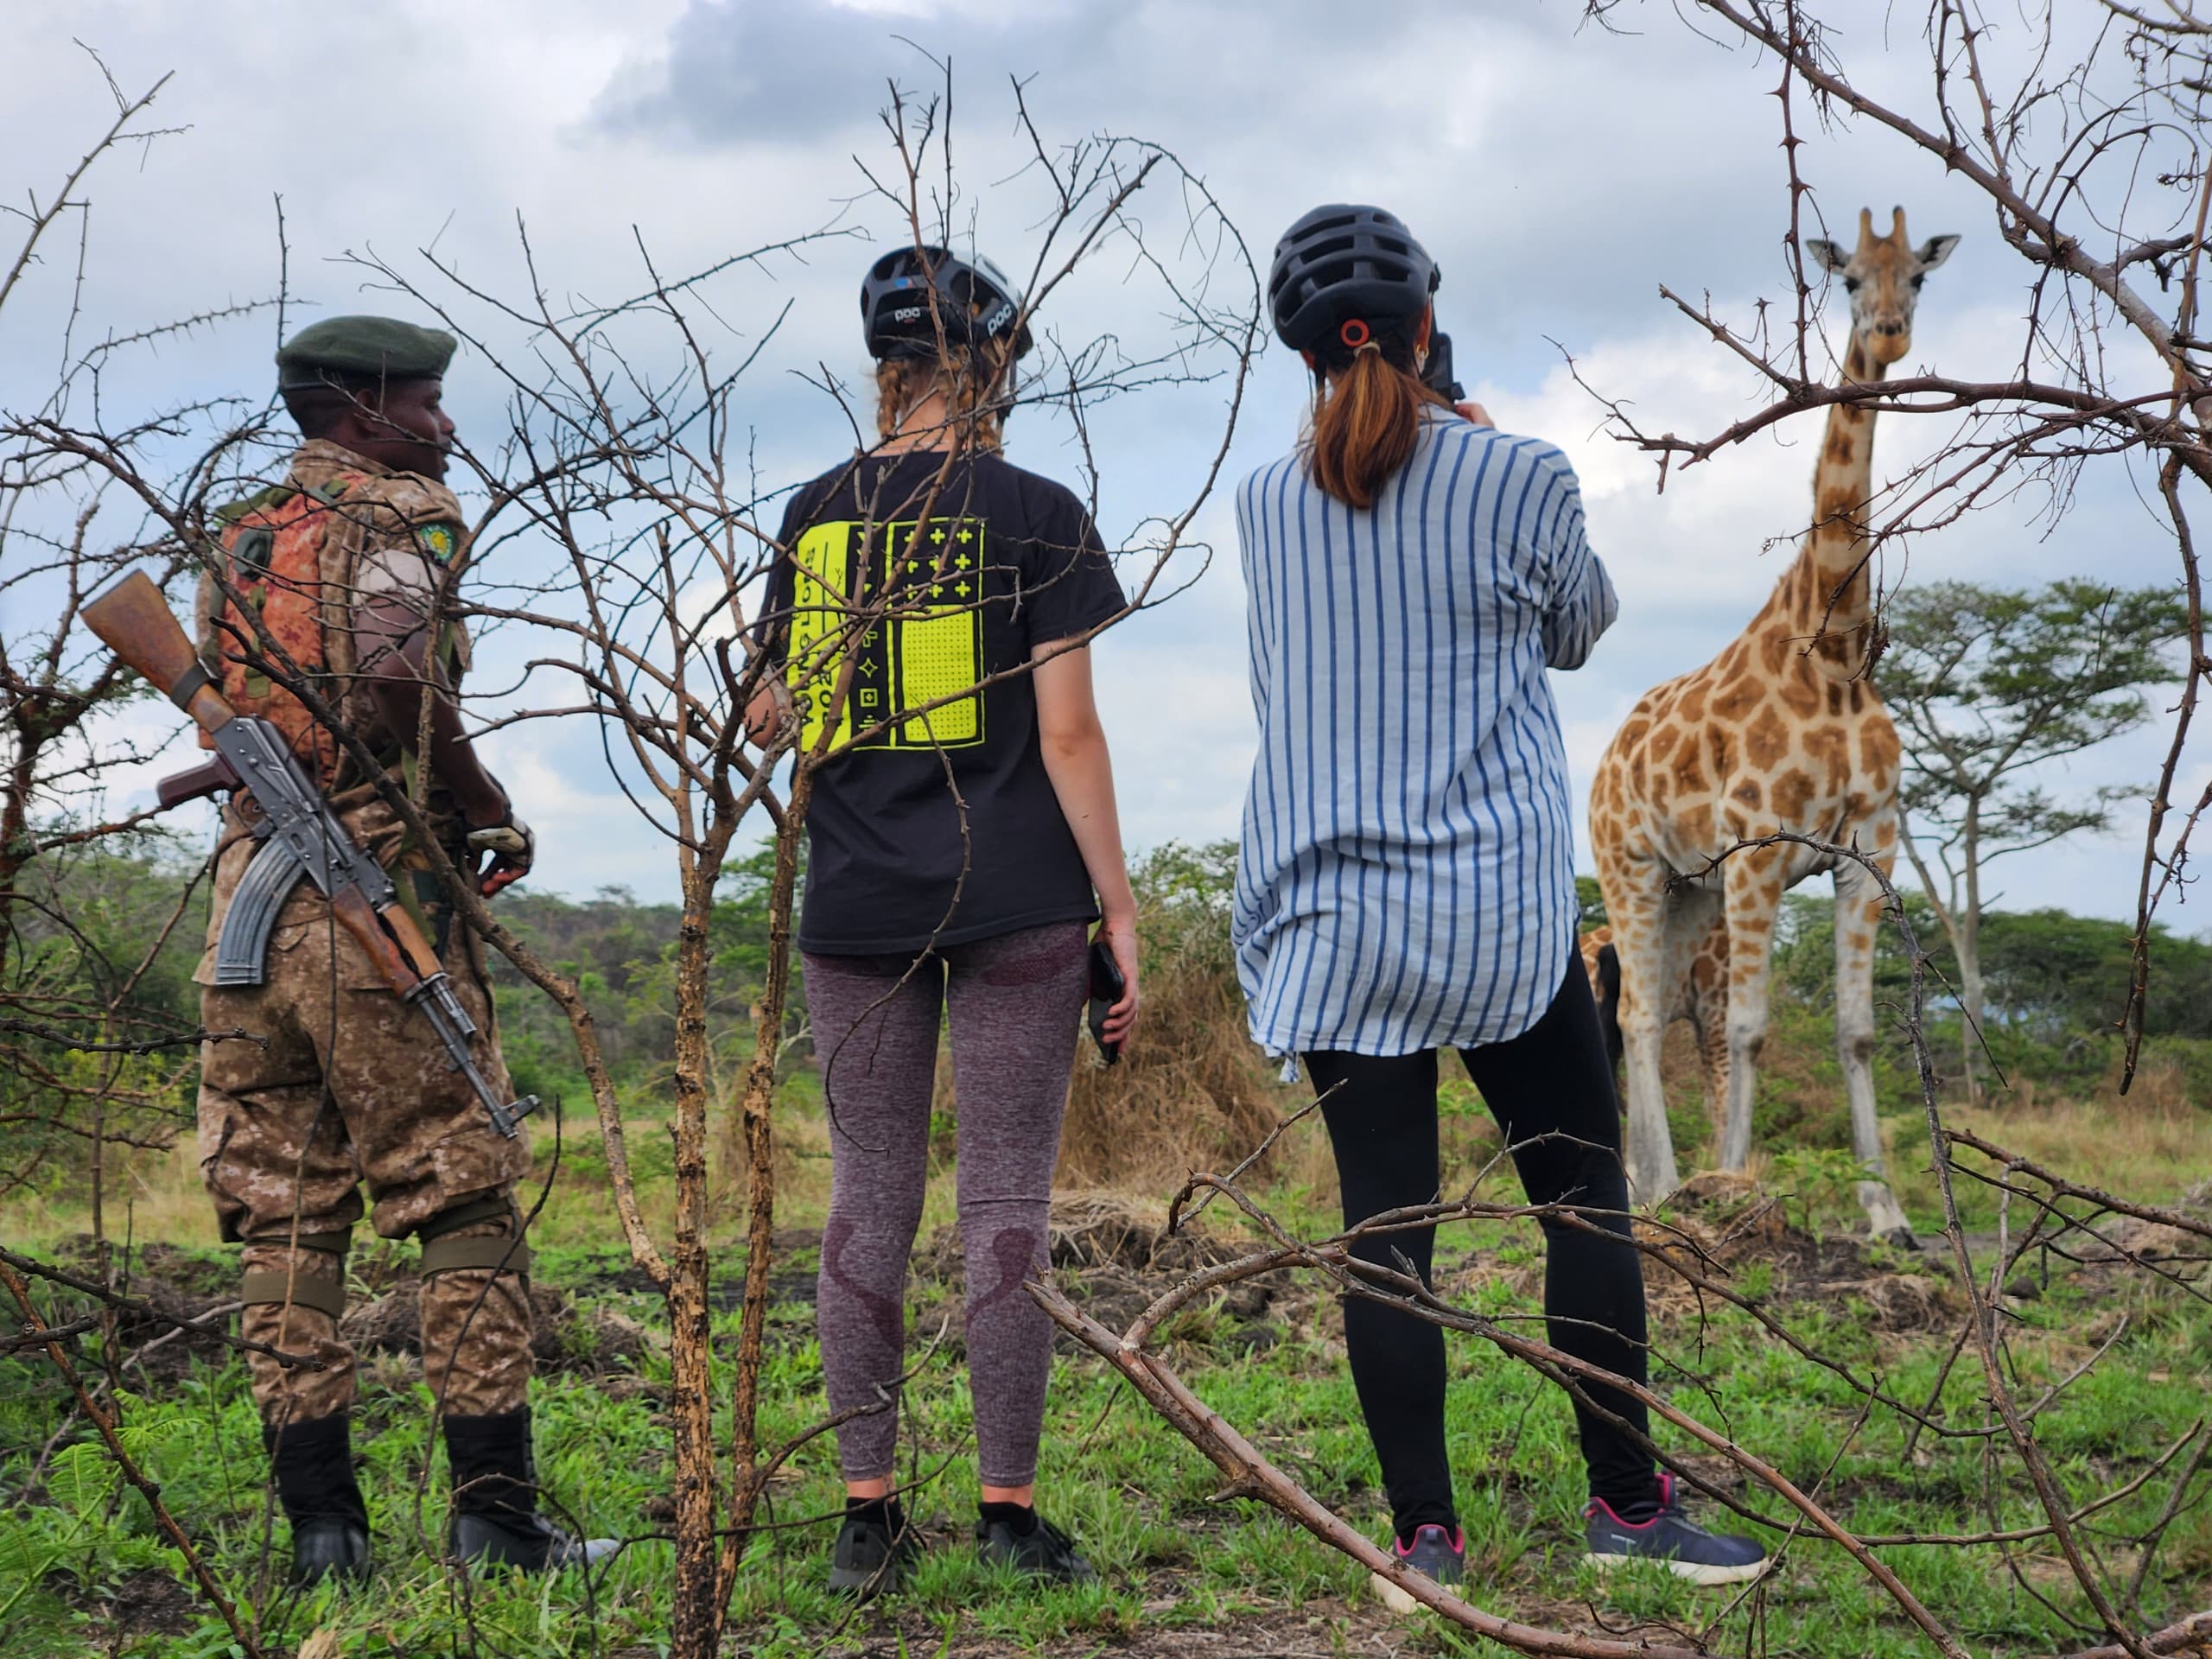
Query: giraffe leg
{"type": "Point", "coordinates": [1753, 883]}
{"type": "Point", "coordinates": [1858, 915]}
{"type": "Point", "coordinates": [1700, 945]}
{"type": "Point", "coordinates": [1636, 905]}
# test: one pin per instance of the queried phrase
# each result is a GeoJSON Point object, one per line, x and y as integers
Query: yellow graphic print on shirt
{"type": "Point", "coordinates": [926, 644]}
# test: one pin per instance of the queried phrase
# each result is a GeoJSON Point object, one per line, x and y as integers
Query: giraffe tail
{"type": "Point", "coordinates": [1609, 1011]}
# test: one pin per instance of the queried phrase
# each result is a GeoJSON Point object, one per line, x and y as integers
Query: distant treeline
{"type": "Point", "coordinates": [2056, 982]}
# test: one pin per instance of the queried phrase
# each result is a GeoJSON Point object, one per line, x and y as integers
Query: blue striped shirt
{"type": "Point", "coordinates": [1406, 880]}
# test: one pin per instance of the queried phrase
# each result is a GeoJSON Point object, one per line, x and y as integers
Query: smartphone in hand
{"type": "Point", "coordinates": [1436, 374]}
{"type": "Point", "coordinates": [1107, 987]}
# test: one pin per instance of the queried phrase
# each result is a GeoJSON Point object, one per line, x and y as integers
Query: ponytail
{"type": "Point", "coordinates": [1366, 415]}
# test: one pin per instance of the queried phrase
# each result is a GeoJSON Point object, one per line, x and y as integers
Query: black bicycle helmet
{"type": "Point", "coordinates": [1344, 262]}
{"type": "Point", "coordinates": [977, 303]}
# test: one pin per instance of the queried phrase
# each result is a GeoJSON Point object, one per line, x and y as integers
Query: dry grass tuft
{"type": "Point", "coordinates": [1192, 1092]}
{"type": "Point", "coordinates": [2148, 1148]}
{"type": "Point", "coordinates": [151, 1195]}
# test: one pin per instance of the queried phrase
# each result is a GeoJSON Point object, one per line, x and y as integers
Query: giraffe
{"type": "Point", "coordinates": [1701, 997]}
{"type": "Point", "coordinates": [1783, 731]}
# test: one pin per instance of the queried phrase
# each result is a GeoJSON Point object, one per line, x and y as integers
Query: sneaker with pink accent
{"type": "Point", "coordinates": [1437, 1553]}
{"type": "Point", "coordinates": [1670, 1539]}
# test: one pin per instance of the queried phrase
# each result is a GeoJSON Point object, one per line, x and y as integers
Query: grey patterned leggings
{"type": "Point", "coordinates": [1013, 1004]}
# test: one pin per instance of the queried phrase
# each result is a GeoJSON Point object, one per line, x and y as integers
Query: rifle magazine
{"type": "Point", "coordinates": [242, 950]}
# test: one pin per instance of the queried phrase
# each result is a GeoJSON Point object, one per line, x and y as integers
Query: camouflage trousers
{"type": "Point", "coordinates": [340, 1086]}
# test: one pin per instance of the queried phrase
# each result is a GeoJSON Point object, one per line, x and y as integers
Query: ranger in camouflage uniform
{"type": "Point", "coordinates": [346, 565]}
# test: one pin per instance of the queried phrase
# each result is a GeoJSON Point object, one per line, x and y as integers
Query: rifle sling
{"type": "Point", "coordinates": [188, 683]}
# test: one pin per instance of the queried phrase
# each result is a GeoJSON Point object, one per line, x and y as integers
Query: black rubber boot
{"type": "Point", "coordinates": [495, 1499]}
{"type": "Point", "coordinates": [313, 1462]}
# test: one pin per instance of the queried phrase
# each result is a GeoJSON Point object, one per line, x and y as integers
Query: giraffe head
{"type": "Point", "coordinates": [1883, 277]}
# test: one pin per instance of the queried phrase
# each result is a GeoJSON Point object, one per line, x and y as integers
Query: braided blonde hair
{"type": "Point", "coordinates": [976, 386]}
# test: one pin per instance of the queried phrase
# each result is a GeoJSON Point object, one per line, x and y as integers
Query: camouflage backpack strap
{"type": "Point", "coordinates": [249, 541]}
{"type": "Point", "coordinates": [251, 528]}
{"type": "Point", "coordinates": [417, 888]}
{"type": "Point", "coordinates": [246, 541]}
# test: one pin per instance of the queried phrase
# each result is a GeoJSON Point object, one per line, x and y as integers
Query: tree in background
{"type": "Point", "coordinates": [1988, 684]}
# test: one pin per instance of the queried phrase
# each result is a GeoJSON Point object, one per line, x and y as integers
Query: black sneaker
{"type": "Point", "coordinates": [873, 1555]}
{"type": "Point", "coordinates": [1043, 1552]}
{"type": "Point", "coordinates": [1670, 1539]}
{"type": "Point", "coordinates": [1436, 1552]}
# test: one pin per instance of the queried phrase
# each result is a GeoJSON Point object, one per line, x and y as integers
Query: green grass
{"type": "Point", "coordinates": [74, 1540]}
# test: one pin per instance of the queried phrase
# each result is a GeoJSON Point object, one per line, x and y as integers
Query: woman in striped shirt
{"type": "Point", "coordinates": [1406, 881]}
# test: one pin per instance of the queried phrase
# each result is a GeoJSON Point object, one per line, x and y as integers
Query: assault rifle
{"type": "Point", "coordinates": [301, 836]}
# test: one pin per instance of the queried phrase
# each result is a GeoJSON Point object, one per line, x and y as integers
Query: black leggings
{"type": "Point", "coordinates": [1383, 1123]}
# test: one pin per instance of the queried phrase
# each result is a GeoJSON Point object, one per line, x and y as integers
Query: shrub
{"type": "Point", "coordinates": [1192, 1092]}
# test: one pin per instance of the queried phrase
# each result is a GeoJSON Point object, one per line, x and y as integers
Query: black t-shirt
{"type": "Point", "coordinates": [1004, 561]}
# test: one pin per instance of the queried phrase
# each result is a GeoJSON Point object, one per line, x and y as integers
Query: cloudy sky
{"type": "Point", "coordinates": [1560, 174]}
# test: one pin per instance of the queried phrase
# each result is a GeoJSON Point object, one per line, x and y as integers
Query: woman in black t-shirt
{"type": "Point", "coordinates": [931, 610]}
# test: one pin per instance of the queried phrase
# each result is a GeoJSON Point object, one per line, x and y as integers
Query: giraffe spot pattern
{"type": "Point", "coordinates": [1800, 692]}
{"type": "Point", "coordinates": [1829, 746]}
{"type": "Point", "coordinates": [1689, 771]}
{"type": "Point", "coordinates": [1738, 698]}
{"type": "Point", "coordinates": [1879, 749]}
{"type": "Point", "coordinates": [1766, 741]}
{"type": "Point", "coordinates": [1837, 509]}
{"type": "Point", "coordinates": [1791, 793]}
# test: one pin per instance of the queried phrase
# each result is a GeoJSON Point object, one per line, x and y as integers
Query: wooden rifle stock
{"type": "Point", "coordinates": [388, 937]}
{"type": "Point", "coordinates": [137, 624]}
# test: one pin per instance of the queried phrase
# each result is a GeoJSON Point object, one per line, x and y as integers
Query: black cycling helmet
{"type": "Point", "coordinates": [977, 302]}
{"type": "Point", "coordinates": [1342, 262]}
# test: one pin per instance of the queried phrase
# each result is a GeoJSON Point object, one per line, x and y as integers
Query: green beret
{"type": "Point", "coordinates": [377, 348]}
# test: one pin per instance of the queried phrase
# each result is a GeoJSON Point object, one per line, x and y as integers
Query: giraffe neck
{"type": "Point", "coordinates": [1828, 597]}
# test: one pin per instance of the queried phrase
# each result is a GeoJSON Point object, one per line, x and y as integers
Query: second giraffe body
{"type": "Point", "coordinates": [1782, 732]}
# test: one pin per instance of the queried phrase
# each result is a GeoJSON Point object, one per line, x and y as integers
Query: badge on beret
{"type": "Point", "coordinates": [438, 541]}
